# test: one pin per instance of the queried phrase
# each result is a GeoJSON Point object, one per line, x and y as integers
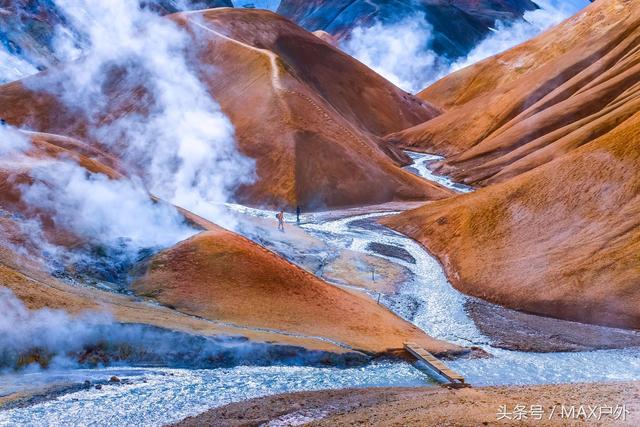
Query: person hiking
{"type": "Point", "coordinates": [280, 216]}
{"type": "Point", "coordinates": [298, 212]}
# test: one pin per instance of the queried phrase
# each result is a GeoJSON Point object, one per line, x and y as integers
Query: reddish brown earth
{"type": "Point", "coordinates": [216, 275]}
{"type": "Point", "coordinates": [558, 231]}
{"type": "Point", "coordinates": [36, 288]}
{"type": "Point", "coordinates": [310, 115]}
{"type": "Point", "coordinates": [435, 406]}
{"type": "Point", "coordinates": [523, 108]}
{"type": "Point", "coordinates": [301, 108]}
{"type": "Point", "coordinates": [221, 276]}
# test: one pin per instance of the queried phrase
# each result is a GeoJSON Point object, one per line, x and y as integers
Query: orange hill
{"type": "Point", "coordinates": [15, 171]}
{"type": "Point", "coordinates": [561, 237]}
{"type": "Point", "coordinates": [216, 275]}
{"type": "Point", "coordinates": [310, 115]}
{"type": "Point", "coordinates": [535, 102]}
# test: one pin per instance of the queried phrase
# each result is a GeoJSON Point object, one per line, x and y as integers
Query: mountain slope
{"type": "Point", "coordinates": [457, 25]}
{"type": "Point", "coordinates": [310, 115]}
{"type": "Point", "coordinates": [559, 233]}
{"type": "Point", "coordinates": [531, 104]}
{"type": "Point", "coordinates": [29, 27]}
{"type": "Point", "coordinates": [217, 275]}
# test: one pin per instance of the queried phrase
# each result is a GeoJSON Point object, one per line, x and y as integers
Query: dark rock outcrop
{"type": "Point", "coordinates": [457, 25]}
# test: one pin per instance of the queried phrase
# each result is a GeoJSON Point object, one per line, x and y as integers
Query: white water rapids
{"type": "Point", "coordinates": [156, 396]}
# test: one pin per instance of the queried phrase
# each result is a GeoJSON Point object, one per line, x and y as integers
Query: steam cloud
{"type": "Point", "coordinates": [506, 36]}
{"type": "Point", "coordinates": [55, 339]}
{"type": "Point", "coordinates": [400, 52]}
{"type": "Point", "coordinates": [101, 209]}
{"type": "Point", "coordinates": [22, 330]}
{"type": "Point", "coordinates": [184, 145]}
{"type": "Point", "coordinates": [12, 67]}
{"type": "Point", "coordinates": [12, 141]}
{"type": "Point", "coordinates": [180, 147]}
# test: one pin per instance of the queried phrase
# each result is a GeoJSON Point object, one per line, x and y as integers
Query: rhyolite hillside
{"type": "Point", "coordinates": [311, 116]}
{"type": "Point", "coordinates": [551, 128]}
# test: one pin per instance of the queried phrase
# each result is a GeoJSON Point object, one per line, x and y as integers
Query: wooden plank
{"type": "Point", "coordinates": [433, 362]}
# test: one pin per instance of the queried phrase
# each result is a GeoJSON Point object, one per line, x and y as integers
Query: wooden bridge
{"type": "Point", "coordinates": [433, 363]}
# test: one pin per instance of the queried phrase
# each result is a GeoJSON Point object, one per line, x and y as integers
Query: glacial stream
{"type": "Point", "coordinates": [440, 312]}
{"type": "Point", "coordinates": [156, 396]}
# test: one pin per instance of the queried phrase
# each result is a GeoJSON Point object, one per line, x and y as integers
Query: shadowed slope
{"type": "Point", "coordinates": [558, 233]}
{"type": "Point", "coordinates": [220, 276]}
{"type": "Point", "coordinates": [538, 101]}
{"type": "Point", "coordinates": [309, 114]}
{"type": "Point", "coordinates": [457, 25]}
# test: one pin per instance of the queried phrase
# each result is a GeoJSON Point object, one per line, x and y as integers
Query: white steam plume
{"type": "Point", "coordinates": [12, 141]}
{"type": "Point", "coordinates": [102, 212]}
{"type": "Point", "coordinates": [183, 145]}
{"type": "Point", "coordinates": [22, 329]}
{"type": "Point", "coordinates": [100, 209]}
{"type": "Point", "coordinates": [94, 337]}
{"type": "Point", "coordinates": [400, 52]}
{"type": "Point", "coordinates": [506, 36]}
{"type": "Point", "coordinates": [12, 67]}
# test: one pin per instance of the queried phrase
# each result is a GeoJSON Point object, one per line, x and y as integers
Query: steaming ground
{"type": "Point", "coordinates": [52, 339]}
{"type": "Point", "coordinates": [83, 202]}
{"type": "Point", "coordinates": [80, 202]}
{"type": "Point", "coordinates": [401, 52]}
{"type": "Point", "coordinates": [13, 141]}
{"type": "Point", "coordinates": [183, 148]}
{"type": "Point", "coordinates": [158, 396]}
{"type": "Point", "coordinates": [184, 152]}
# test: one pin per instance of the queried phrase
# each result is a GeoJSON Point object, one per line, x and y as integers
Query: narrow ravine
{"type": "Point", "coordinates": [420, 167]}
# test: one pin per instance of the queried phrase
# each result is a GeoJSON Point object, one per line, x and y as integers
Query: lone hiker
{"type": "Point", "coordinates": [298, 212]}
{"type": "Point", "coordinates": [280, 216]}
